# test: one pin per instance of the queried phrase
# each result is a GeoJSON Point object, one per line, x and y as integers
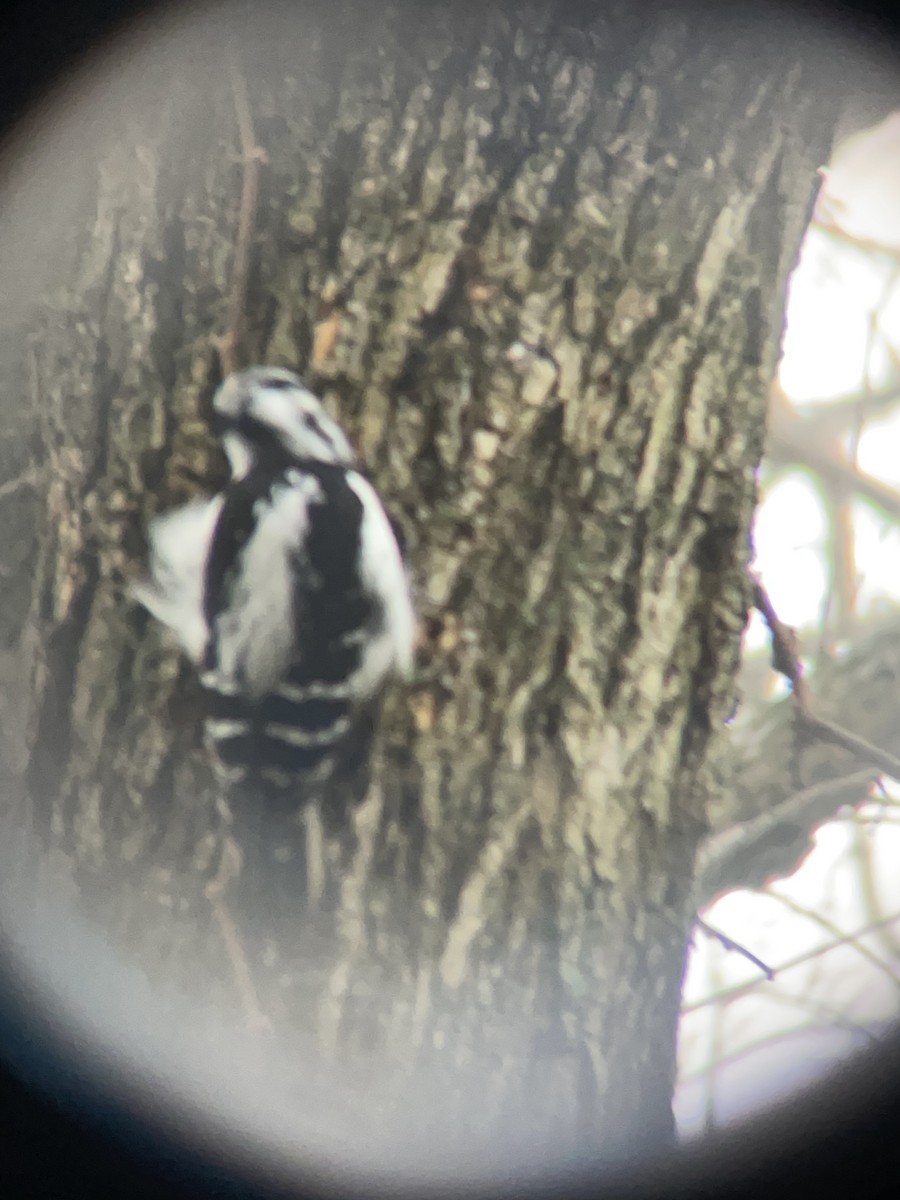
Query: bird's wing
{"type": "Point", "coordinates": [173, 589]}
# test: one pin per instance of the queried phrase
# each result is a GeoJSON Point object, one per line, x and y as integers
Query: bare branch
{"type": "Point", "coordinates": [828, 731]}
{"type": "Point", "coordinates": [834, 932]}
{"type": "Point", "coordinates": [785, 644]}
{"type": "Point", "coordinates": [786, 660]}
{"type": "Point", "coordinates": [749, 853]}
{"type": "Point", "coordinates": [229, 869]}
{"type": "Point", "coordinates": [793, 439]}
{"type": "Point", "coordinates": [744, 989]}
{"type": "Point", "coordinates": [841, 411]}
{"type": "Point", "coordinates": [828, 1017]}
{"type": "Point", "coordinates": [866, 246]}
{"type": "Point", "coordinates": [729, 944]}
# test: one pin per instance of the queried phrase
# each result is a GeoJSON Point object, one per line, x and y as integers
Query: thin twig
{"type": "Point", "coordinates": [786, 660]}
{"type": "Point", "coordinates": [834, 932]}
{"type": "Point", "coordinates": [793, 445]}
{"type": "Point", "coordinates": [730, 944]}
{"type": "Point", "coordinates": [828, 1018]}
{"type": "Point", "coordinates": [868, 246]}
{"type": "Point", "coordinates": [798, 960]}
{"type": "Point", "coordinates": [828, 731]}
{"type": "Point", "coordinates": [785, 643]}
{"type": "Point", "coordinates": [841, 410]}
{"type": "Point", "coordinates": [229, 869]}
{"type": "Point", "coordinates": [253, 157]}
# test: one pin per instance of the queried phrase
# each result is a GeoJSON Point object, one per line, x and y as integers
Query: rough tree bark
{"type": "Point", "coordinates": [535, 257]}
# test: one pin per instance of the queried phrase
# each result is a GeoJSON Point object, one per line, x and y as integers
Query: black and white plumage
{"type": "Point", "coordinates": [288, 588]}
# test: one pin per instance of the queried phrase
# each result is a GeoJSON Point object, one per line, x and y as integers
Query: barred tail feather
{"type": "Point", "coordinates": [284, 732]}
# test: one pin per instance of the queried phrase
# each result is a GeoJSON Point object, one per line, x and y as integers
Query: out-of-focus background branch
{"type": "Point", "coordinates": [800, 872]}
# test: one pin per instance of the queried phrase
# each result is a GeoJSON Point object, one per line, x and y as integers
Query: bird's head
{"type": "Point", "coordinates": [269, 413]}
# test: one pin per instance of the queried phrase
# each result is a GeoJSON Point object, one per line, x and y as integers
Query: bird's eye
{"type": "Point", "coordinates": [312, 423]}
{"type": "Point", "coordinates": [278, 384]}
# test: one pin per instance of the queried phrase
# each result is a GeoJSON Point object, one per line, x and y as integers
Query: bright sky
{"type": "Point", "coordinates": [843, 336]}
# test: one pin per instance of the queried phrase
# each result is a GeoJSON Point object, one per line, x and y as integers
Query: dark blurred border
{"type": "Point", "coordinates": [40, 40]}
{"type": "Point", "coordinates": [842, 1140]}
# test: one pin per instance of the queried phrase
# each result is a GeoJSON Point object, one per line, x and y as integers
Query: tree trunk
{"type": "Point", "coordinates": [535, 260]}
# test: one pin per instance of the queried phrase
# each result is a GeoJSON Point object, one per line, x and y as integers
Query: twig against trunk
{"type": "Point", "coordinates": [786, 660]}
{"type": "Point", "coordinates": [253, 157]}
{"type": "Point", "coordinates": [785, 643]}
{"type": "Point", "coordinates": [229, 869]}
{"type": "Point", "coordinates": [828, 731]}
